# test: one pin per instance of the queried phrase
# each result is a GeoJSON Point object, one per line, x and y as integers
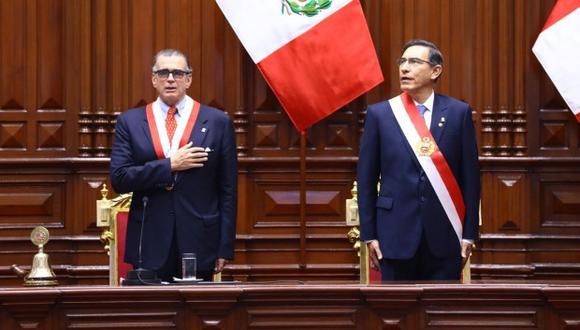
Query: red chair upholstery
{"type": "Point", "coordinates": [120, 229]}
{"type": "Point", "coordinates": [114, 214]}
{"type": "Point", "coordinates": [367, 274]}
{"type": "Point", "coordinates": [374, 275]}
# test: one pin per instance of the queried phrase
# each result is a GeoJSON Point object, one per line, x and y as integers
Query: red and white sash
{"type": "Point", "coordinates": [164, 149]}
{"type": "Point", "coordinates": [431, 159]}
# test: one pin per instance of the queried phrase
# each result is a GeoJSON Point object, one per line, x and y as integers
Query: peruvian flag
{"type": "Point", "coordinates": [558, 50]}
{"type": "Point", "coordinates": [316, 55]}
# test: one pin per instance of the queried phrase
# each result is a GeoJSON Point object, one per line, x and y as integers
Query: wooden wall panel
{"type": "Point", "coordinates": [13, 75]}
{"type": "Point", "coordinates": [49, 60]}
{"type": "Point", "coordinates": [43, 192]}
{"type": "Point", "coordinates": [506, 210]}
{"type": "Point", "coordinates": [561, 203]}
{"type": "Point", "coordinates": [38, 200]}
{"type": "Point", "coordinates": [269, 233]}
{"type": "Point", "coordinates": [69, 67]}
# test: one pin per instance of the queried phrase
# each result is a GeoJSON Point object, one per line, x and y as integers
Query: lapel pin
{"type": "Point", "coordinates": [440, 125]}
{"type": "Point", "coordinates": [203, 130]}
{"type": "Point", "coordinates": [207, 149]}
{"type": "Point", "coordinates": [442, 119]}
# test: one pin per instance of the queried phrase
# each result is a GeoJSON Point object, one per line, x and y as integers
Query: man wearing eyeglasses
{"type": "Point", "coordinates": [420, 224]}
{"type": "Point", "coordinates": [179, 159]}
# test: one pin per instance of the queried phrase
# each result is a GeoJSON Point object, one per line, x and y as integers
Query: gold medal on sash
{"type": "Point", "coordinates": [425, 147]}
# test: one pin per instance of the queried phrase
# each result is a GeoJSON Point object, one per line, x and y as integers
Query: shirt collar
{"type": "Point", "coordinates": [164, 107]}
{"type": "Point", "coordinates": [429, 103]}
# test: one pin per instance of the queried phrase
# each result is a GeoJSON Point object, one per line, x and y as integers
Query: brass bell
{"type": "Point", "coordinates": [40, 273]}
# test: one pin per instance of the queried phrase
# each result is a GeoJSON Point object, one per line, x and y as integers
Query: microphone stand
{"type": "Point", "coordinates": [141, 276]}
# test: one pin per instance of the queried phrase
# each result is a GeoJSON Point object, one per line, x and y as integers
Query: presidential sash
{"type": "Point", "coordinates": [431, 159]}
{"type": "Point", "coordinates": [161, 144]}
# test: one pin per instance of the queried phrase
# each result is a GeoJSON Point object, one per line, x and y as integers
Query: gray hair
{"type": "Point", "coordinates": [169, 53]}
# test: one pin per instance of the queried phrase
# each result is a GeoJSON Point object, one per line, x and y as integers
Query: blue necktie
{"type": "Point", "coordinates": [422, 109]}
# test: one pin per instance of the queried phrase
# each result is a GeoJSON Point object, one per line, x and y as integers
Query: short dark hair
{"type": "Point", "coordinates": [169, 53]}
{"type": "Point", "coordinates": [435, 56]}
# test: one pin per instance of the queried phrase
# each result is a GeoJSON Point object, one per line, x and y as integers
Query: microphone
{"type": "Point", "coordinates": [140, 261]}
{"type": "Point", "coordinates": [141, 276]}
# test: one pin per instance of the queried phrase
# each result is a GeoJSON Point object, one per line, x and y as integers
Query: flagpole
{"type": "Point", "coordinates": [302, 199]}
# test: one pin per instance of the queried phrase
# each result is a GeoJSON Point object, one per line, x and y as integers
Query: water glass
{"type": "Point", "coordinates": [188, 266]}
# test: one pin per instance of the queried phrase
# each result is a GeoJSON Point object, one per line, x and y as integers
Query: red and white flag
{"type": "Point", "coordinates": [558, 50]}
{"type": "Point", "coordinates": [316, 55]}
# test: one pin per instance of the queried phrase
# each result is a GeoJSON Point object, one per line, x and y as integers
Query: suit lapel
{"type": "Point", "coordinates": [147, 131]}
{"type": "Point", "coordinates": [200, 129]}
{"type": "Point", "coordinates": [438, 120]}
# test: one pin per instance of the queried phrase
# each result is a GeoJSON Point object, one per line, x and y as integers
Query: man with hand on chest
{"type": "Point", "coordinates": [179, 159]}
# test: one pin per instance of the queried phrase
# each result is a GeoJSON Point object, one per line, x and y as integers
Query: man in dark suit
{"type": "Point", "coordinates": [179, 159]}
{"type": "Point", "coordinates": [421, 146]}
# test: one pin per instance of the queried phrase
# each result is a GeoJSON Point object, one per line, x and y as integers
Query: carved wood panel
{"type": "Point", "coordinates": [561, 202]}
{"type": "Point", "coordinates": [37, 200]}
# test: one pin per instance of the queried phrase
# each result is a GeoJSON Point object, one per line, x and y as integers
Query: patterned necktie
{"type": "Point", "coordinates": [171, 123]}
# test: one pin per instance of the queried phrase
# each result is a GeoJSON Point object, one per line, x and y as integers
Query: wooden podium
{"type": "Point", "coordinates": [499, 305]}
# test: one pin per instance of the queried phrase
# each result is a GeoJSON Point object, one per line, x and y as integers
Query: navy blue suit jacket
{"type": "Point", "coordinates": [201, 209]}
{"type": "Point", "coordinates": [406, 205]}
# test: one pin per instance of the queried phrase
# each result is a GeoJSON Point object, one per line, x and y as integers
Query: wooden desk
{"type": "Point", "coordinates": [295, 306]}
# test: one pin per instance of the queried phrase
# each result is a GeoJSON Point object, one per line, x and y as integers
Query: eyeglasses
{"type": "Point", "coordinates": [413, 61]}
{"type": "Point", "coordinates": [177, 74]}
